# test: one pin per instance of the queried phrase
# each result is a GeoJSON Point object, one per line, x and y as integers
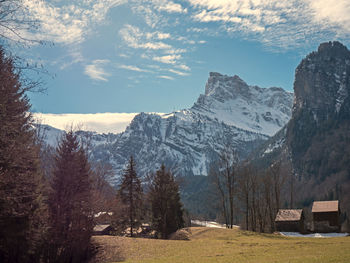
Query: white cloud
{"type": "Point", "coordinates": [95, 70]}
{"type": "Point", "coordinates": [336, 12]}
{"type": "Point", "coordinates": [133, 68]}
{"type": "Point", "coordinates": [157, 35]}
{"type": "Point", "coordinates": [170, 7]}
{"type": "Point", "coordinates": [183, 67]}
{"type": "Point", "coordinates": [168, 59]}
{"type": "Point", "coordinates": [66, 23]}
{"type": "Point", "coordinates": [283, 23]}
{"type": "Point", "coordinates": [98, 122]}
{"type": "Point", "coordinates": [135, 38]}
{"type": "Point", "coordinates": [180, 73]}
{"type": "Point", "coordinates": [165, 77]}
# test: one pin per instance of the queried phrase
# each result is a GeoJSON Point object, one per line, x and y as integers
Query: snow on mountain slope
{"type": "Point", "coordinates": [229, 114]}
{"type": "Point", "coordinates": [185, 141]}
{"type": "Point", "coordinates": [231, 100]}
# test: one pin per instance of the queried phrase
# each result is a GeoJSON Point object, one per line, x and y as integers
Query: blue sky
{"type": "Point", "coordinates": [155, 55]}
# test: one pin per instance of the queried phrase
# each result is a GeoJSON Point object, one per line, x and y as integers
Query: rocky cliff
{"type": "Point", "coordinates": [316, 141]}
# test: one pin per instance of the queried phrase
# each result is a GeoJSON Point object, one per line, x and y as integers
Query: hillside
{"type": "Point", "coordinates": [316, 140]}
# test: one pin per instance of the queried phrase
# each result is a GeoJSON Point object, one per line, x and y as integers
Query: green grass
{"type": "Point", "coordinates": [225, 245]}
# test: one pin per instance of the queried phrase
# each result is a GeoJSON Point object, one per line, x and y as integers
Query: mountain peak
{"type": "Point", "coordinates": [231, 100]}
{"type": "Point", "coordinates": [218, 84]}
{"type": "Point", "coordinates": [334, 47]}
{"type": "Point", "coordinates": [322, 83]}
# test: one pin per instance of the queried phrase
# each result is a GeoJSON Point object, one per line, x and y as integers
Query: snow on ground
{"type": "Point", "coordinates": [316, 235]}
{"type": "Point", "coordinates": [210, 224]}
{"type": "Point", "coordinates": [288, 234]}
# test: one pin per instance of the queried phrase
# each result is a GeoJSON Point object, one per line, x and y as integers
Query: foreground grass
{"type": "Point", "coordinates": [224, 245]}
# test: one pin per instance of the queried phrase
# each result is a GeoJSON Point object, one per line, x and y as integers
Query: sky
{"type": "Point", "coordinates": [120, 56]}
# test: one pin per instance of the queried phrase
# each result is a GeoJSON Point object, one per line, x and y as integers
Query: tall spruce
{"type": "Point", "coordinates": [130, 194]}
{"type": "Point", "coordinates": [70, 203]}
{"type": "Point", "coordinates": [22, 208]}
{"type": "Point", "coordinates": [167, 211]}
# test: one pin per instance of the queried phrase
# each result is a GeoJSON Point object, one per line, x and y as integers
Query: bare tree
{"type": "Point", "coordinates": [216, 179]}
{"type": "Point", "coordinates": [224, 178]}
{"type": "Point", "coordinates": [16, 22]}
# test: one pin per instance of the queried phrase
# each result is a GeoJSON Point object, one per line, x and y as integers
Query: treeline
{"type": "Point", "coordinates": [49, 197]}
{"type": "Point", "coordinates": [42, 218]}
{"type": "Point", "coordinates": [249, 196]}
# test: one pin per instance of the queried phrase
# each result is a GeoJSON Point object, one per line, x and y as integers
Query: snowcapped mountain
{"type": "Point", "coordinates": [229, 113]}
{"type": "Point", "coordinates": [231, 100]}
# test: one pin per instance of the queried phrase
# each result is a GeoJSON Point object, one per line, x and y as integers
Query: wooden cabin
{"type": "Point", "coordinates": [102, 230]}
{"type": "Point", "coordinates": [290, 220]}
{"type": "Point", "coordinates": [325, 216]}
{"type": "Point", "coordinates": [103, 218]}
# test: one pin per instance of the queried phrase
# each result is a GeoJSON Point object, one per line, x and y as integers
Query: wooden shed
{"type": "Point", "coordinates": [290, 220]}
{"type": "Point", "coordinates": [102, 230]}
{"type": "Point", "coordinates": [325, 216]}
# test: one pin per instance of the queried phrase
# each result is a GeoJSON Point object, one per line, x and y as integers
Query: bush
{"type": "Point", "coordinates": [181, 234]}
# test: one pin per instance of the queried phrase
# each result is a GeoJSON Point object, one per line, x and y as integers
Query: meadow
{"type": "Point", "coordinates": [223, 245]}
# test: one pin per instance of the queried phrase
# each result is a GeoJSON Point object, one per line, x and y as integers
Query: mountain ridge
{"type": "Point", "coordinates": [227, 114]}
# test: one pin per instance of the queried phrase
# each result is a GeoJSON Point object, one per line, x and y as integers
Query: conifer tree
{"type": "Point", "coordinates": [22, 208]}
{"type": "Point", "coordinates": [70, 203]}
{"type": "Point", "coordinates": [130, 194]}
{"type": "Point", "coordinates": [167, 211]}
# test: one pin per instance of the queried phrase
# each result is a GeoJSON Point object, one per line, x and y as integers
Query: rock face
{"type": "Point", "coordinates": [229, 113]}
{"type": "Point", "coordinates": [322, 106]}
{"type": "Point", "coordinates": [322, 82]}
{"type": "Point", "coordinates": [316, 141]}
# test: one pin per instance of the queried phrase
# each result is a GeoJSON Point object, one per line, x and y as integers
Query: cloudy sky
{"type": "Point", "coordinates": [155, 55]}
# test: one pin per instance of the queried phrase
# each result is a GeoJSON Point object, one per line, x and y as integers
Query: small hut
{"type": "Point", "coordinates": [326, 216]}
{"type": "Point", "coordinates": [102, 230]}
{"type": "Point", "coordinates": [290, 220]}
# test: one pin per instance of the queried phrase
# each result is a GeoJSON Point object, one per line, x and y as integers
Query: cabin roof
{"type": "Point", "coordinates": [325, 206]}
{"type": "Point", "coordinates": [99, 228]}
{"type": "Point", "coordinates": [288, 215]}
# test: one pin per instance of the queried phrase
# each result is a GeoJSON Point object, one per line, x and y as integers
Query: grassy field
{"type": "Point", "coordinates": [224, 245]}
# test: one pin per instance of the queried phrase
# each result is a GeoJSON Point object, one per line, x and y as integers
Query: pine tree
{"type": "Point", "coordinates": [22, 208]}
{"type": "Point", "coordinates": [130, 194]}
{"type": "Point", "coordinates": [70, 205]}
{"type": "Point", "coordinates": [167, 211]}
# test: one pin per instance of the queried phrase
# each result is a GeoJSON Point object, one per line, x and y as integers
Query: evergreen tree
{"type": "Point", "coordinates": [22, 208]}
{"type": "Point", "coordinates": [130, 194]}
{"type": "Point", "coordinates": [167, 211]}
{"type": "Point", "coordinates": [70, 203]}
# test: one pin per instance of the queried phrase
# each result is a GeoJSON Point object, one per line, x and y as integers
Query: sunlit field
{"type": "Point", "coordinates": [224, 245]}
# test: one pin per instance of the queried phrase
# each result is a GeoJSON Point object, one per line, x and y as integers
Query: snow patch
{"type": "Point", "coordinates": [210, 224]}
{"type": "Point", "coordinates": [315, 235]}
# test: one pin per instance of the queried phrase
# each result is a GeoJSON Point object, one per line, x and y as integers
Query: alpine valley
{"type": "Point", "coordinates": [309, 135]}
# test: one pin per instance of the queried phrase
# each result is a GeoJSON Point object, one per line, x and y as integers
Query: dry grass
{"type": "Point", "coordinates": [224, 245]}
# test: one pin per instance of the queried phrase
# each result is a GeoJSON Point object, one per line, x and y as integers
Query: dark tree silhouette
{"type": "Point", "coordinates": [167, 211]}
{"type": "Point", "coordinates": [22, 210]}
{"type": "Point", "coordinates": [71, 214]}
{"type": "Point", "coordinates": [130, 194]}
